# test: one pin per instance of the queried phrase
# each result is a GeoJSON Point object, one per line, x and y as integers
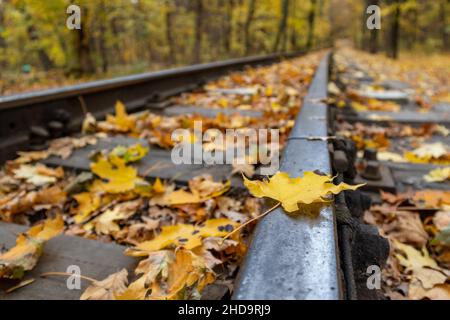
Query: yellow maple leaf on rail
{"type": "Point", "coordinates": [182, 196]}
{"type": "Point", "coordinates": [290, 192]}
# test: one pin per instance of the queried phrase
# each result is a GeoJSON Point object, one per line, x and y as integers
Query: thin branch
{"type": "Point", "coordinates": [83, 105]}
{"type": "Point", "coordinates": [251, 220]}
{"type": "Point", "coordinates": [65, 274]}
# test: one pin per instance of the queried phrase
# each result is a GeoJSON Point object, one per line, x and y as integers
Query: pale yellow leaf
{"type": "Point", "coordinates": [311, 188]}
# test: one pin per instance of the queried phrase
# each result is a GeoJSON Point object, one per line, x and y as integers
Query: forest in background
{"type": "Point", "coordinates": [120, 37]}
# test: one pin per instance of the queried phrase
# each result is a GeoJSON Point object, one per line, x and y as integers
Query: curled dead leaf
{"type": "Point", "coordinates": [107, 289]}
{"type": "Point", "coordinates": [29, 247]}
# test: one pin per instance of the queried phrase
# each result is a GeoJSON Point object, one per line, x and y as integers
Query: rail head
{"type": "Point", "coordinates": [295, 257]}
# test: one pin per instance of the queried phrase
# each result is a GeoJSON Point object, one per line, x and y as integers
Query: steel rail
{"type": "Point", "coordinates": [296, 256]}
{"type": "Point", "coordinates": [290, 257]}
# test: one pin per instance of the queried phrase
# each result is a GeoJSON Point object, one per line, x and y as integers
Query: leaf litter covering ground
{"type": "Point", "coordinates": [429, 81]}
{"type": "Point", "coordinates": [186, 237]}
{"type": "Point", "coordinates": [416, 223]}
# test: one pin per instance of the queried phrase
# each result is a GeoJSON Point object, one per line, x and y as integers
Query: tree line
{"type": "Point", "coordinates": [151, 34]}
{"type": "Point", "coordinates": [154, 32]}
{"type": "Point", "coordinates": [409, 25]}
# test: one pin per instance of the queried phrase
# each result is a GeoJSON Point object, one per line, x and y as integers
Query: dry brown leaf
{"type": "Point", "coordinates": [187, 277]}
{"type": "Point", "coordinates": [441, 219]}
{"type": "Point", "coordinates": [432, 198]}
{"type": "Point", "coordinates": [201, 189]}
{"type": "Point", "coordinates": [156, 265]}
{"type": "Point", "coordinates": [106, 222]}
{"type": "Point", "coordinates": [38, 175]}
{"type": "Point", "coordinates": [395, 199]}
{"type": "Point", "coordinates": [406, 227]}
{"type": "Point", "coordinates": [185, 235]}
{"type": "Point", "coordinates": [23, 202]}
{"type": "Point", "coordinates": [421, 265]}
{"type": "Point", "coordinates": [29, 247]}
{"type": "Point", "coordinates": [439, 292]}
{"type": "Point", "coordinates": [107, 289]}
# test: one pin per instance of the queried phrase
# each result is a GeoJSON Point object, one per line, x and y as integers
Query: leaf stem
{"type": "Point", "coordinates": [65, 274]}
{"type": "Point", "coordinates": [251, 220]}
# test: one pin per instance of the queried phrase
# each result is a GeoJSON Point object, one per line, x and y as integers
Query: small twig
{"type": "Point", "coordinates": [313, 138]}
{"type": "Point", "coordinates": [65, 274]}
{"type": "Point", "coordinates": [251, 220]}
{"type": "Point", "coordinates": [156, 166]}
{"type": "Point", "coordinates": [416, 209]}
{"type": "Point", "coordinates": [177, 175]}
{"type": "Point", "coordinates": [20, 285]}
{"type": "Point", "coordinates": [83, 105]}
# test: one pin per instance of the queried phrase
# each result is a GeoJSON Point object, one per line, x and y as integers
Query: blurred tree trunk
{"type": "Point", "coordinates": [115, 29]}
{"type": "Point", "coordinates": [102, 43]}
{"type": "Point", "coordinates": [362, 43]}
{"type": "Point", "coordinates": [45, 60]}
{"type": "Point", "coordinates": [2, 40]}
{"type": "Point", "coordinates": [321, 13]}
{"type": "Point", "coordinates": [85, 64]}
{"type": "Point", "coordinates": [311, 24]}
{"type": "Point", "coordinates": [228, 26]}
{"type": "Point", "coordinates": [292, 34]}
{"type": "Point", "coordinates": [294, 39]}
{"type": "Point", "coordinates": [394, 31]}
{"type": "Point", "coordinates": [248, 22]}
{"type": "Point", "coordinates": [170, 15]}
{"type": "Point", "coordinates": [282, 28]}
{"type": "Point", "coordinates": [198, 31]}
{"type": "Point", "coordinates": [32, 33]}
{"type": "Point", "coordinates": [415, 24]}
{"type": "Point", "coordinates": [373, 38]}
{"type": "Point", "coordinates": [444, 27]}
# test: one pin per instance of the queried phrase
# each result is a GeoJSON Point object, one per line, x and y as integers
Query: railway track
{"type": "Point", "coordinates": [289, 257]}
{"type": "Point", "coordinates": [387, 130]}
{"type": "Point", "coordinates": [62, 110]}
{"type": "Point", "coordinates": [152, 92]}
